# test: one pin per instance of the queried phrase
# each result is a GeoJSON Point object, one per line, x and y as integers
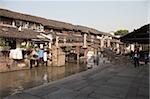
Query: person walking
{"type": "Point", "coordinates": [33, 58]}
{"type": "Point", "coordinates": [136, 58]}
{"type": "Point", "coordinates": [40, 56]}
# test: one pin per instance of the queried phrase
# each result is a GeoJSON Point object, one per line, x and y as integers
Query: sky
{"type": "Point", "coordinates": [104, 15]}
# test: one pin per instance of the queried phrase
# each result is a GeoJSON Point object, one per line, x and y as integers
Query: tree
{"type": "Point", "coordinates": [121, 32]}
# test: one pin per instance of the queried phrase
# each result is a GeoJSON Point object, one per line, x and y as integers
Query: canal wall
{"type": "Point", "coordinates": [89, 56]}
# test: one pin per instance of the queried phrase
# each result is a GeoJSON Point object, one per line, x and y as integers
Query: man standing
{"type": "Point", "coordinates": [136, 58]}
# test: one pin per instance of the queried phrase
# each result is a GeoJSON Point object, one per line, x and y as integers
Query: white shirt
{"type": "Point", "coordinates": [135, 55]}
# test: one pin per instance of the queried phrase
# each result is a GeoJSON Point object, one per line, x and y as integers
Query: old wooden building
{"type": "Point", "coordinates": [24, 31]}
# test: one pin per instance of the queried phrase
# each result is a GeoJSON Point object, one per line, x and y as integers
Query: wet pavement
{"type": "Point", "coordinates": [109, 81]}
{"type": "Point", "coordinates": [17, 81]}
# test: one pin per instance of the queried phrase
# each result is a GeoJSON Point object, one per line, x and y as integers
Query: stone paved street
{"type": "Point", "coordinates": [102, 82]}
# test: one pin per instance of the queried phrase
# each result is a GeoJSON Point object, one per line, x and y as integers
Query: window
{"type": "Point", "coordinates": [25, 24]}
{"type": "Point", "coordinates": [19, 23]}
{"type": "Point", "coordinates": [31, 25]}
{"type": "Point", "coordinates": [6, 21]}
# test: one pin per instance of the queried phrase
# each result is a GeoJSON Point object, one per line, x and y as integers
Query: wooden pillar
{"type": "Point", "coordinates": [118, 49]}
{"type": "Point", "coordinates": [78, 53]}
{"type": "Point", "coordinates": [122, 49]}
{"type": "Point", "coordinates": [102, 43]}
{"type": "Point", "coordinates": [85, 41]}
{"type": "Point", "coordinates": [57, 40]}
{"type": "Point", "coordinates": [65, 40]}
{"type": "Point", "coordinates": [108, 42]}
{"type": "Point", "coordinates": [50, 45]}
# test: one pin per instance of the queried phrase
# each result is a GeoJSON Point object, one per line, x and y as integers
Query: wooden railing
{"type": "Point", "coordinates": [76, 40]}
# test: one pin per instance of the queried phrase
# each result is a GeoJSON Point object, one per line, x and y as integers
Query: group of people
{"type": "Point", "coordinates": [38, 56]}
{"type": "Point", "coordinates": [135, 55]}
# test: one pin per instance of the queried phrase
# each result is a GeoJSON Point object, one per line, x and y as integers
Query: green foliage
{"type": "Point", "coordinates": [5, 48]}
{"type": "Point", "coordinates": [121, 32]}
{"type": "Point", "coordinates": [2, 42]}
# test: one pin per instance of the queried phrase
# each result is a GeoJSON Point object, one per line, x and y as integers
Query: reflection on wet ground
{"type": "Point", "coordinates": [17, 81]}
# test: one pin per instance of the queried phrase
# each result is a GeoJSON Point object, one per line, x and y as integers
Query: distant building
{"type": "Point", "coordinates": [138, 38]}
